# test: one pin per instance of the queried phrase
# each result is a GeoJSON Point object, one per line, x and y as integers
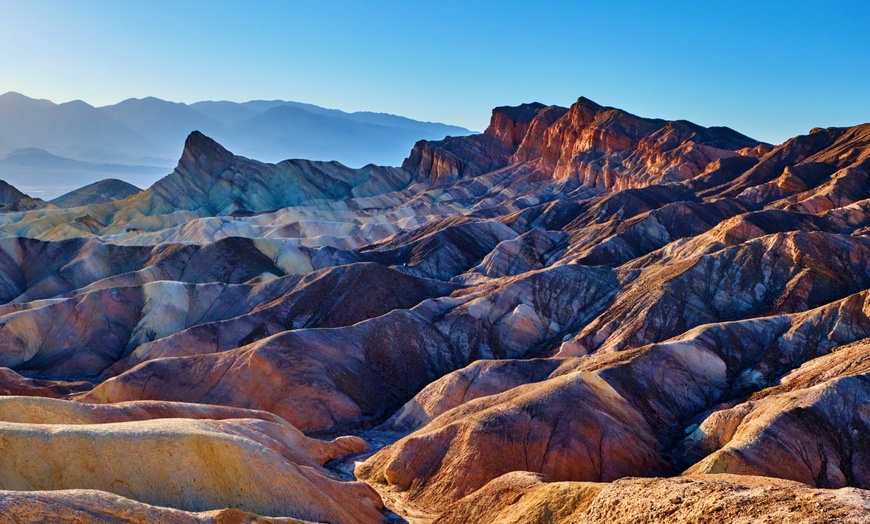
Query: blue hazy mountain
{"type": "Point", "coordinates": [44, 145]}
{"type": "Point", "coordinates": [97, 193]}
{"type": "Point", "coordinates": [44, 175]}
{"type": "Point", "coordinates": [73, 129]}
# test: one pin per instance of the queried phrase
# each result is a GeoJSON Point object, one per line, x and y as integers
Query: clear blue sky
{"type": "Point", "coordinates": [771, 69]}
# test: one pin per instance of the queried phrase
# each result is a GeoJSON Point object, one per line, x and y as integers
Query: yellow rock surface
{"type": "Point", "coordinates": [263, 467]}
{"type": "Point", "coordinates": [525, 498]}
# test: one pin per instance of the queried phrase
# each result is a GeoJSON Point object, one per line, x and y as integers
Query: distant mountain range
{"type": "Point", "coordinates": [47, 149]}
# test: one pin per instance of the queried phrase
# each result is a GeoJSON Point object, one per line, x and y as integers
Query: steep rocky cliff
{"type": "Point", "coordinates": [600, 147]}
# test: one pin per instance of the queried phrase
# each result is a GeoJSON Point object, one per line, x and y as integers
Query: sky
{"type": "Point", "coordinates": [770, 69]}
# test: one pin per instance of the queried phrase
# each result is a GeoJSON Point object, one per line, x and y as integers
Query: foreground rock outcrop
{"type": "Point", "coordinates": [524, 498]}
{"type": "Point", "coordinates": [184, 456]}
{"type": "Point", "coordinates": [86, 506]}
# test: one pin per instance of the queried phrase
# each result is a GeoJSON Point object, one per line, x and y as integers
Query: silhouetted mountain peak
{"type": "Point", "coordinates": [27, 151]}
{"type": "Point", "coordinates": [588, 105]}
{"type": "Point", "coordinates": [203, 154]}
{"type": "Point", "coordinates": [521, 113]}
{"type": "Point", "coordinates": [80, 105]}
{"type": "Point", "coordinates": [9, 194]}
{"type": "Point", "coordinates": [14, 96]}
{"type": "Point", "coordinates": [148, 101]}
{"type": "Point", "coordinates": [99, 192]}
{"type": "Point", "coordinates": [13, 104]}
{"type": "Point", "coordinates": [38, 157]}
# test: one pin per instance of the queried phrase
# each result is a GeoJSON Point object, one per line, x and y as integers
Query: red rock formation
{"type": "Point", "coordinates": [600, 147]}
{"type": "Point", "coordinates": [537, 427]}
{"type": "Point", "coordinates": [459, 157]}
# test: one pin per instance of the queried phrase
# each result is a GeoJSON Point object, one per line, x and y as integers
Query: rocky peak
{"type": "Point", "coordinates": [458, 157]}
{"type": "Point", "coordinates": [822, 151]}
{"type": "Point", "coordinates": [585, 110]}
{"type": "Point", "coordinates": [202, 154]}
{"type": "Point", "coordinates": [509, 125]}
{"type": "Point", "coordinates": [608, 148]}
{"type": "Point", "coordinates": [9, 194]}
{"type": "Point", "coordinates": [12, 200]}
{"type": "Point", "coordinates": [101, 191]}
{"type": "Point", "coordinates": [533, 145]}
{"type": "Point", "coordinates": [597, 146]}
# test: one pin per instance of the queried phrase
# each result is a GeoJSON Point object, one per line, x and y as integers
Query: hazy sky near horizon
{"type": "Point", "coordinates": [769, 69]}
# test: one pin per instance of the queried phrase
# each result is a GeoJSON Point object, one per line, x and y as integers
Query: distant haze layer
{"type": "Point", "coordinates": [48, 149]}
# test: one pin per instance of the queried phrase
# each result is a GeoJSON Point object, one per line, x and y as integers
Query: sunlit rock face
{"type": "Point", "coordinates": [601, 147]}
{"type": "Point", "coordinates": [601, 438]}
{"type": "Point", "coordinates": [810, 428]}
{"type": "Point", "coordinates": [525, 498]}
{"type": "Point", "coordinates": [519, 320]}
{"type": "Point", "coordinates": [183, 456]}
